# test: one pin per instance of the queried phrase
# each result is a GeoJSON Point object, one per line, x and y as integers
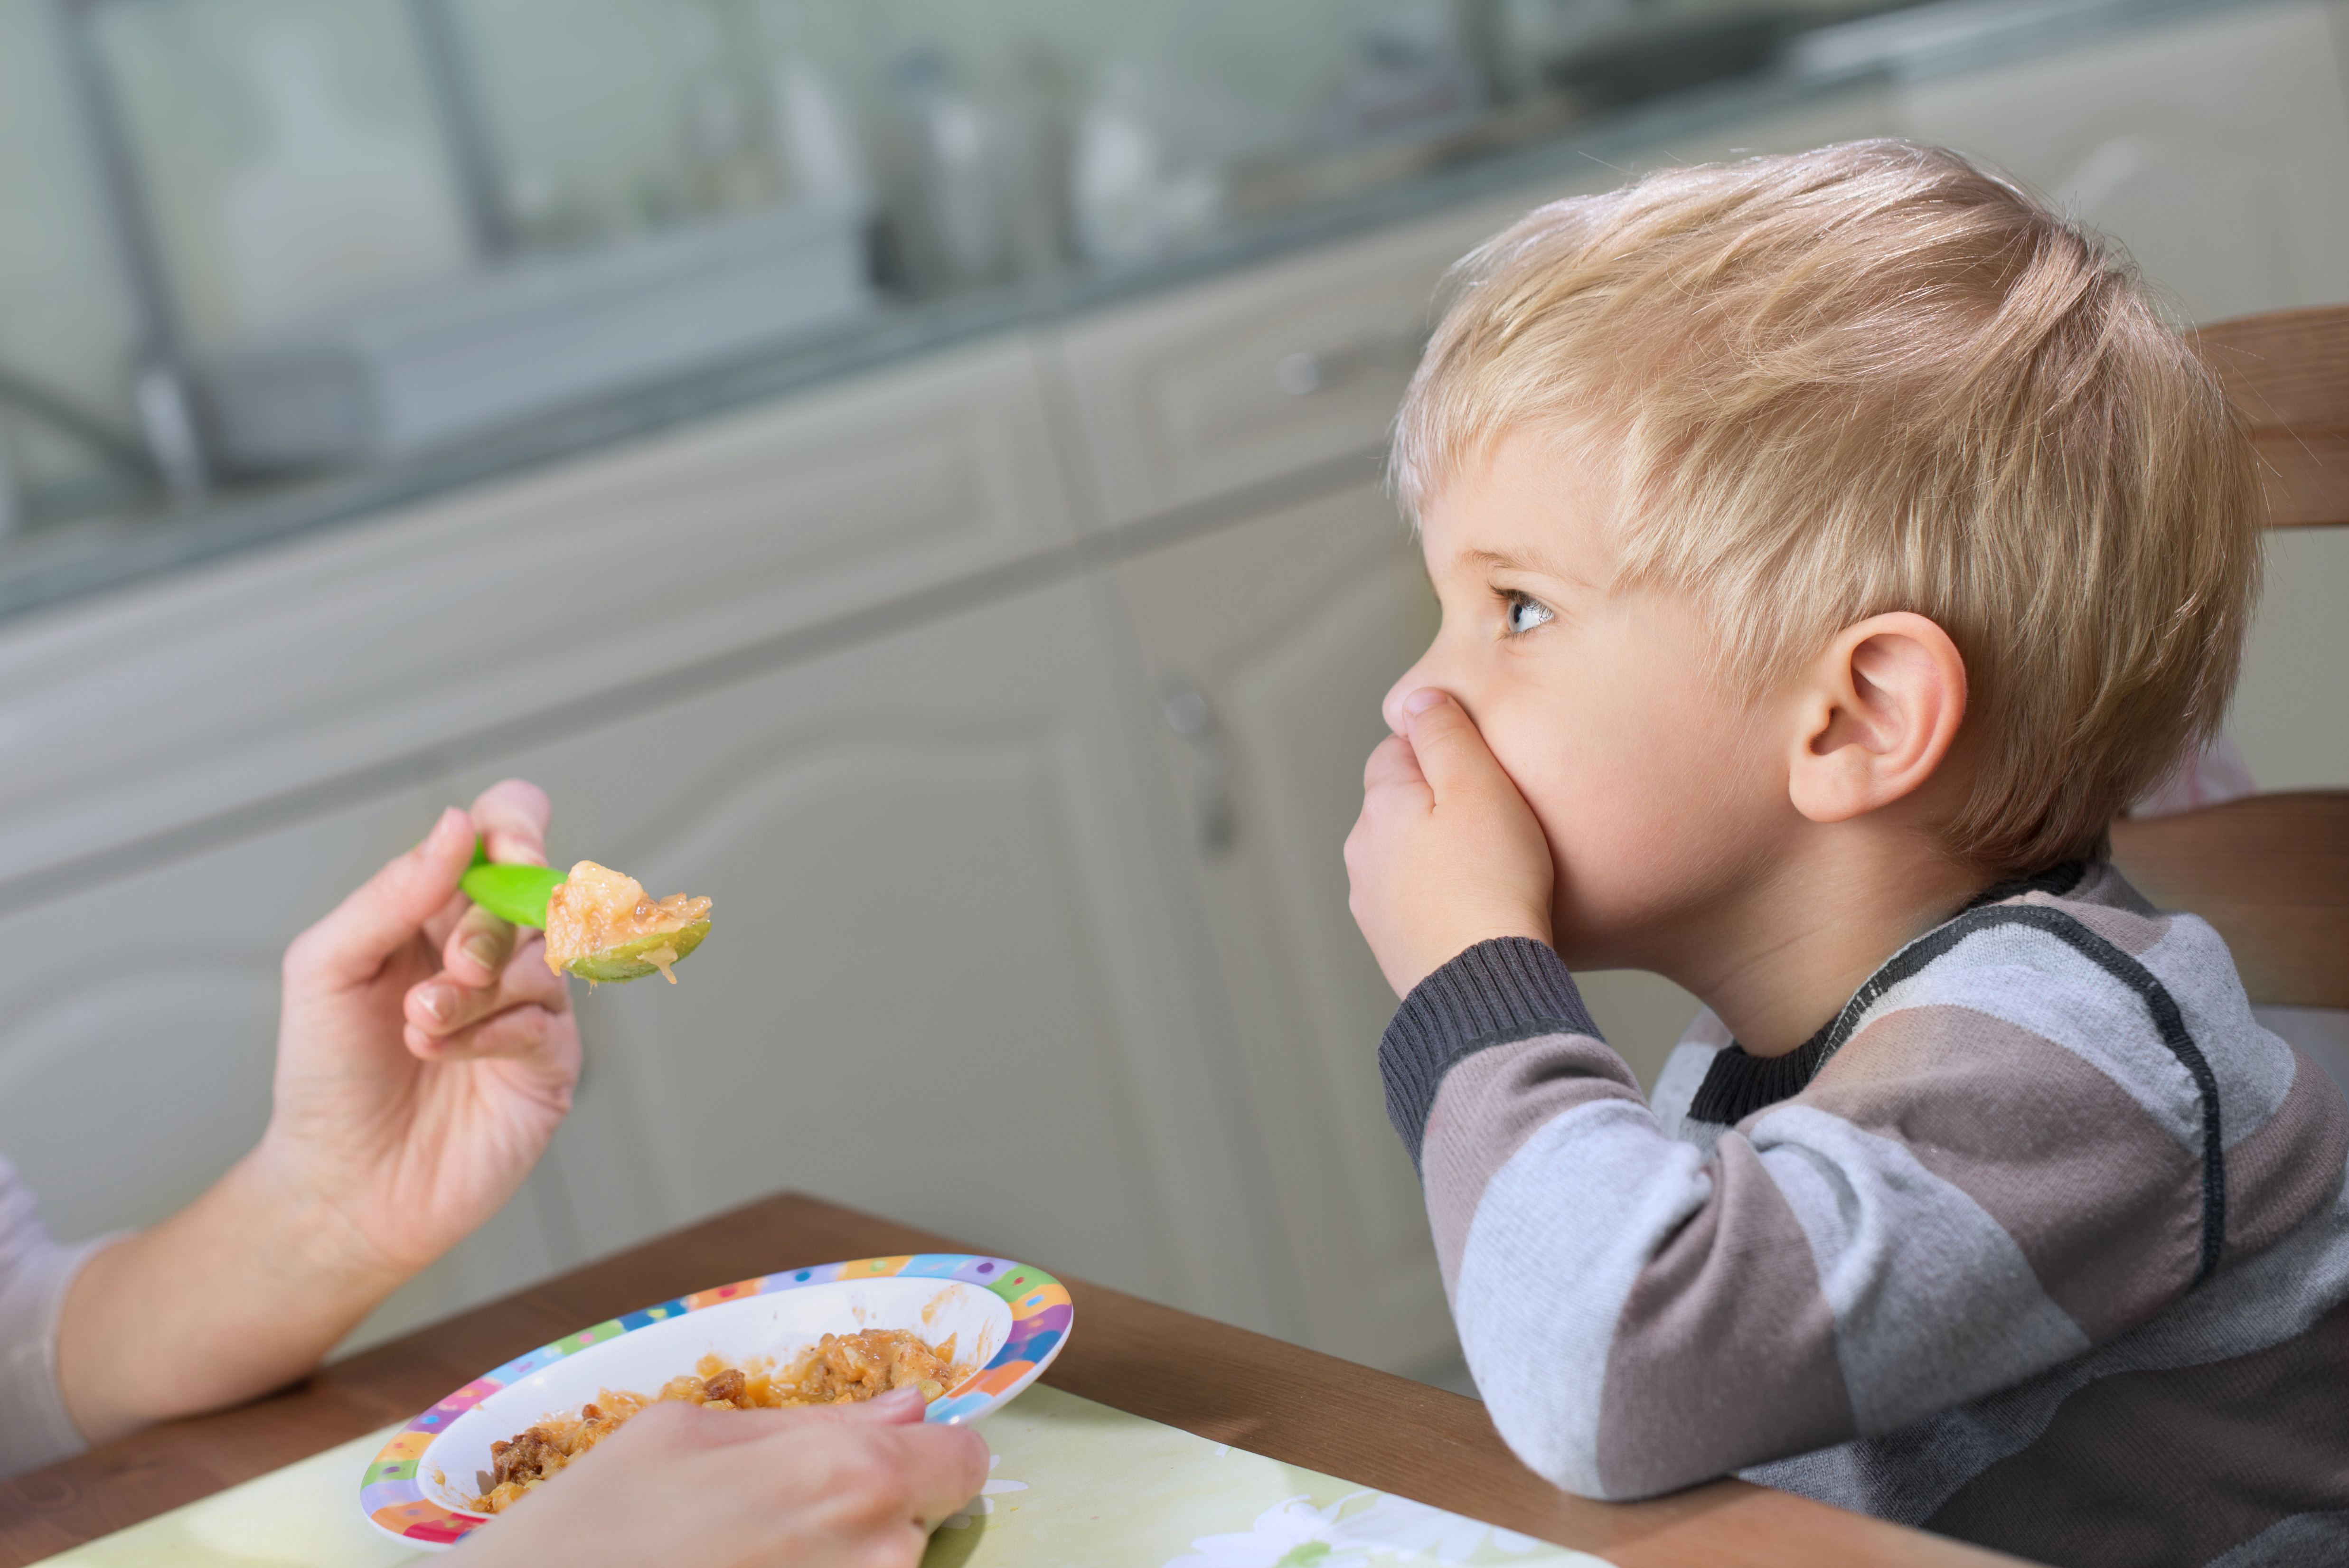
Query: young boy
{"type": "Point", "coordinates": [1829, 547]}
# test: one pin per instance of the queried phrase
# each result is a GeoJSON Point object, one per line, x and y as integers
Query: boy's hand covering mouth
{"type": "Point", "coordinates": [1446, 853]}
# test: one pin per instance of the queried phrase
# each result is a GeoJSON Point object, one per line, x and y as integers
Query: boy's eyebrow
{"type": "Point", "coordinates": [1507, 560]}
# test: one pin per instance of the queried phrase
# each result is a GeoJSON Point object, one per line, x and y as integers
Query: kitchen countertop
{"type": "Point", "coordinates": [65, 562]}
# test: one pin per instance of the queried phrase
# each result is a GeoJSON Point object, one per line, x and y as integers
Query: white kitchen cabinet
{"type": "Point", "coordinates": [1268, 647]}
{"type": "Point", "coordinates": [938, 982]}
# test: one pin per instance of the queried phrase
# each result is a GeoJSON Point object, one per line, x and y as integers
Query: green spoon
{"type": "Point", "coordinates": [518, 893]}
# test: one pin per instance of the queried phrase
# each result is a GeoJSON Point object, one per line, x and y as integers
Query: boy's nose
{"type": "Point", "coordinates": [1421, 674]}
{"type": "Point", "coordinates": [1391, 706]}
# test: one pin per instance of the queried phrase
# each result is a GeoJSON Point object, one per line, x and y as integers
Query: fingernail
{"type": "Point", "coordinates": [1422, 700]}
{"type": "Point", "coordinates": [482, 949]}
{"type": "Point", "coordinates": [436, 1001]}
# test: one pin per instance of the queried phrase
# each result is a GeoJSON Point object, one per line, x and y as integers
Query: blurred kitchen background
{"type": "Point", "coordinates": [907, 469]}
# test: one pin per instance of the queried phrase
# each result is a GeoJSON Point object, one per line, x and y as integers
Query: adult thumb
{"type": "Point", "coordinates": [387, 911]}
{"type": "Point", "coordinates": [1451, 749]}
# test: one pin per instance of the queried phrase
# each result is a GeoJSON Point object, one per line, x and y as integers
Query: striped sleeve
{"type": "Point", "coordinates": [2002, 1167]}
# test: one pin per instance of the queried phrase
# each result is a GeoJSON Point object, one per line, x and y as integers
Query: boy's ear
{"type": "Point", "coordinates": [1875, 715]}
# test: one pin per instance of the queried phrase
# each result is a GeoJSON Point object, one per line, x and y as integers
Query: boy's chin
{"type": "Point", "coordinates": [1584, 949]}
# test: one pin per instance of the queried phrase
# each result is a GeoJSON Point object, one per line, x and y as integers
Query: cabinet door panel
{"type": "Point", "coordinates": [937, 985]}
{"type": "Point", "coordinates": [1289, 631]}
{"type": "Point", "coordinates": [355, 649]}
{"type": "Point", "coordinates": [138, 1018]}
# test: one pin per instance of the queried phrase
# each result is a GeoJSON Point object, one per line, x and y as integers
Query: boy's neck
{"type": "Point", "coordinates": [1781, 961]}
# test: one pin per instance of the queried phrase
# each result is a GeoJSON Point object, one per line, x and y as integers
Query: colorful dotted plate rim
{"type": "Point", "coordinates": [392, 1495]}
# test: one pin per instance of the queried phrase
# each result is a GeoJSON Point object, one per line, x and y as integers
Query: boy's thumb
{"type": "Point", "coordinates": [1452, 752]}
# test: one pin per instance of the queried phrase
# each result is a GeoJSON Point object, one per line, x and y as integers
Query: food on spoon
{"type": "Point", "coordinates": [839, 1369]}
{"type": "Point", "coordinates": [601, 926]}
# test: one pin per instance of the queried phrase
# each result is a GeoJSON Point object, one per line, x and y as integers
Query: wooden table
{"type": "Point", "coordinates": [1276, 1399]}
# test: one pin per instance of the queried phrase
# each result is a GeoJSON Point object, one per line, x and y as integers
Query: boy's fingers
{"type": "Point", "coordinates": [1447, 746]}
{"type": "Point", "coordinates": [388, 911]}
{"type": "Point", "coordinates": [1393, 763]}
{"type": "Point", "coordinates": [511, 816]}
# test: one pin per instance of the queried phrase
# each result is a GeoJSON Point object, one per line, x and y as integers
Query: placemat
{"type": "Point", "coordinates": [1073, 1482]}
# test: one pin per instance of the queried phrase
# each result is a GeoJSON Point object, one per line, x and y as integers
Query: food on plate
{"type": "Point", "coordinates": [838, 1369]}
{"type": "Point", "coordinates": [601, 926]}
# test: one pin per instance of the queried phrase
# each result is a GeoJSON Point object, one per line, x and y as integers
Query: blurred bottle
{"type": "Point", "coordinates": [333, 211]}
{"type": "Point", "coordinates": [1529, 38]}
{"type": "Point", "coordinates": [1413, 74]}
{"type": "Point", "coordinates": [729, 153]}
{"type": "Point", "coordinates": [815, 142]}
{"type": "Point", "coordinates": [1128, 199]}
{"type": "Point", "coordinates": [945, 156]}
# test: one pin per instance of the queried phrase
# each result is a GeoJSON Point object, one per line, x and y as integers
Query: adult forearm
{"type": "Point", "coordinates": [240, 1293]}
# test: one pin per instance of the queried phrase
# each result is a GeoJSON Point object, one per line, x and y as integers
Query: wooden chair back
{"type": "Point", "coordinates": [2288, 372]}
{"type": "Point", "coordinates": [2272, 872]}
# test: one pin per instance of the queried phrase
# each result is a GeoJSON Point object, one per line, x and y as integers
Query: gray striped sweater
{"type": "Point", "coordinates": [2042, 1243]}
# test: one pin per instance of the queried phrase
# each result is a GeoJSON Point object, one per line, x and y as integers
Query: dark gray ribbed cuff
{"type": "Point", "coordinates": [1510, 989]}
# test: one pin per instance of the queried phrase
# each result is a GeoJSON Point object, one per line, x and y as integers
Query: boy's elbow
{"type": "Point", "coordinates": [1581, 1456]}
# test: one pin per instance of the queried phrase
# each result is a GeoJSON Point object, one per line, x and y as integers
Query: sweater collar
{"type": "Point", "coordinates": [1738, 1083]}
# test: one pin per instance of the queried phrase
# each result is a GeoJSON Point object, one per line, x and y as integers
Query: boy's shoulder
{"type": "Point", "coordinates": [2071, 979]}
{"type": "Point", "coordinates": [2072, 1027]}
{"type": "Point", "coordinates": [2061, 1019]}
{"type": "Point", "coordinates": [2034, 983]}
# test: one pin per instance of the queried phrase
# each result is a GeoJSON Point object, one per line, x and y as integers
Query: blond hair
{"type": "Point", "coordinates": [1876, 377]}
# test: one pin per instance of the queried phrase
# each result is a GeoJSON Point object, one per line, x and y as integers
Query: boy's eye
{"type": "Point", "coordinates": [1524, 614]}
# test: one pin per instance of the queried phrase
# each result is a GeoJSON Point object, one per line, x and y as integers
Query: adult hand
{"type": "Point", "coordinates": [853, 1485]}
{"type": "Point", "coordinates": [1446, 853]}
{"type": "Point", "coordinates": [424, 1057]}
{"type": "Point", "coordinates": [426, 1054]}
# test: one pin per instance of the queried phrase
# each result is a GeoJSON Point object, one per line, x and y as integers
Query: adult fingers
{"type": "Point", "coordinates": [386, 912]}
{"type": "Point", "coordinates": [897, 1407]}
{"type": "Point", "coordinates": [443, 920]}
{"type": "Point", "coordinates": [943, 1467]}
{"type": "Point", "coordinates": [1450, 749]}
{"type": "Point", "coordinates": [446, 1003]}
{"type": "Point", "coordinates": [512, 1032]}
{"type": "Point", "coordinates": [511, 815]}
{"type": "Point", "coordinates": [477, 948]}
{"type": "Point", "coordinates": [443, 1009]}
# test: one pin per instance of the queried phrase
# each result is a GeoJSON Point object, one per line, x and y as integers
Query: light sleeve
{"type": "Point", "coordinates": [35, 1270]}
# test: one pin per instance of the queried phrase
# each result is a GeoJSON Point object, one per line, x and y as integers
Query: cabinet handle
{"type": "Point", "coordinates": [1188, 714]}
